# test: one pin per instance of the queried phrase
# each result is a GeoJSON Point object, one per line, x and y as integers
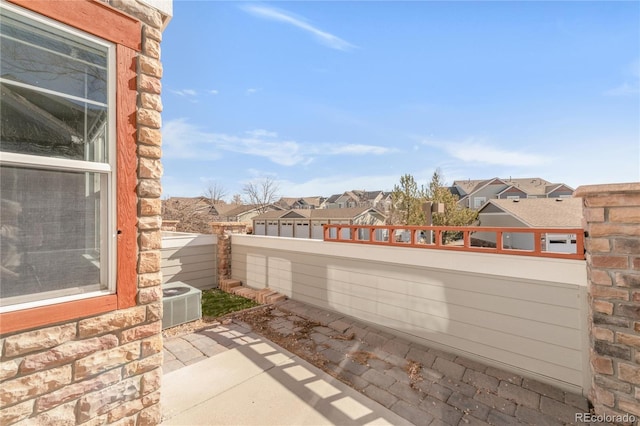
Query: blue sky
{"type": "Point", "coordinates": [324, 97]}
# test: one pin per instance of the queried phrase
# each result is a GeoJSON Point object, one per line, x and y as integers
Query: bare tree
{"type": "Point", "coordinates": [215, 192]}
{"type": "Point", "coordinates": [192, 215]}
{"type": "Point", "coordinates": [236, 199]}
{"type": "Point", "coordinates": [261, 193]}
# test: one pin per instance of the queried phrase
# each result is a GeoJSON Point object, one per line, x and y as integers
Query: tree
{"type": "Point", "coordinates": [236, 199]}
{"type": "Point", "coordinates": [454, 214]}
{"type": "Point", "coordinates": [215, 192]}
{"type": "Point", "coordinates": [192, 214]}
{"type": "Point", "coordinates": [261, 193]}
{"type": "Point", "coordinates": [407, 200]}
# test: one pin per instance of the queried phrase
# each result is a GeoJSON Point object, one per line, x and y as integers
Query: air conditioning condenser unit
{"type": "Point", "coordinates": [181, 303]}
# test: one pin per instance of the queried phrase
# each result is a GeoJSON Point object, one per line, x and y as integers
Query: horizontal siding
{"type": "Point", "coordinates": [534, 327]}
{"type": "Point", "coordinates": [190, 259]}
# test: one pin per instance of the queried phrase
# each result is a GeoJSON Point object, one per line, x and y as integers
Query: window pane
{"type": "Point", "coordinates": [43, 124]}
{"type": "Point", "coordinates": [51, 241]}
{"type": "Point", "coordinates": [54, 92]}
{"type": "Point", "coordinates": [51, 59]}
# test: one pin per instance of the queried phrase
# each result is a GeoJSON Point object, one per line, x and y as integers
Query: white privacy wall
{"type": "Point", "coordinates": [190, 259]}
{"type": "Point", "coordinates": [524, 314]}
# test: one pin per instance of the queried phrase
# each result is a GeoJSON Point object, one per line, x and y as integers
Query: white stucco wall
{"type": "Point", "coordinates": [524, 314]}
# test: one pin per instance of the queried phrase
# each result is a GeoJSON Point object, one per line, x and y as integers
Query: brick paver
{"type": "Point", "coordinates": [443, 389]}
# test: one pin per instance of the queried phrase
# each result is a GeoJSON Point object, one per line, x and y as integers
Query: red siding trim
{"type": "Point", "coordinates": [127, 164]}
{"type": "Point", "coordinates": [49, 315]}
{"type": "Point", "coordinates": [93, 17]}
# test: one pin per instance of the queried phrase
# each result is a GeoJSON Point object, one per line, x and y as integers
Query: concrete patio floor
{"type": "Point", "coordinates": [229, 375]}
{"type": "Point", "coordinates": [259, 383]}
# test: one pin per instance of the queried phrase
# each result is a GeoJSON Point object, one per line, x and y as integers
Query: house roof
{"type": "Point", "coordinates": [531, 186]}
{"type": "Point", "coordinates": [333, 198]}
{"type": "Point", "coordinates": [223, 208]}
{"type": "Point", "coordinates": [468, 186]}
{"type": "Point", "coordinates": [273, 214]}
{"type": "Point", "coordinates": [242, 208]}
{"type": "Point", "coordinates": [314, 201]}
{"type": "Point", "coordinates": [542, 212]}
{"type": "Point", "coordinates": [347, 213]}
{"type": "Point", "coordinates": [364, 195]}
{"type": "Point", "coordinates": [287, 202]}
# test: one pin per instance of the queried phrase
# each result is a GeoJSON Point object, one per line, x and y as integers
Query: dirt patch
{"type": "Point", "coordinates": [349, 336]}
{"type": "Point", "coordinates": [295, 339]}
{"type": "Point", "coordinates": [413, 369]}
{"type": "Point", "coordinates": [190, 327]}
{"type": "Point", "coordinates": [362, 357]}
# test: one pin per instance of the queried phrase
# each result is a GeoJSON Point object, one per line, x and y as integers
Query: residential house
{"type": "Point", "coordinates": [80, 299]}
{"type": "Point", "coordinates": [379, 200]}
{"type": "Point", "coordinates": [305, 223]}
{"type": "Point", "coordinates": [246, 212]}
{"type": "Point", "coordinates": [531, 213]}
{"type": "Point", "coordinates": [474, 194]}
{"type": "Point", "coordinates": [291, 203]}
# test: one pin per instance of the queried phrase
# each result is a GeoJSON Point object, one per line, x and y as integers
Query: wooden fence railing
{"type": "Point", "coordinates": [565, 243]}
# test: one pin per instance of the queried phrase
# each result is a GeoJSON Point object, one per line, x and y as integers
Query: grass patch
{"type": "Point", "coordinates": [216, 303]}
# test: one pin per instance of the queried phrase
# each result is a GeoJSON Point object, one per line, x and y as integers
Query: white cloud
{"type": "Point", "coordinates": [625, 89]}
{"type": "Point", "coordinates": [631, 87]}
{"type": "Point", "coordinates": [185, 92]}
{"type": "Point", "coordinates": [183, 140]}
{"type": "Point", "coordinates": [336, 184]}
{"type": "Point", "coordinates": [213, 91]}
{"type": "Point", "coordinates": [357, 149]}
{"type": "Point", "coordinates": [279, 15]}
{"type": "Point", "coordinates": [474, 151]}
{"type": "Point", "coordinates": [251, 91]}
{"type": "Point", "coordinates": [261, 133]}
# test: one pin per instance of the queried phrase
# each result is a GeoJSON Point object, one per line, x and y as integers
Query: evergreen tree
{"type": "Point", "coordinates": [407, 200]}
{"type": "Point", "coordinates": [454, 214]}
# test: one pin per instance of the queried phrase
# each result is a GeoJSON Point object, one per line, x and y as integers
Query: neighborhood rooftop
{"type": "Point", "coordinates": [540, 212]}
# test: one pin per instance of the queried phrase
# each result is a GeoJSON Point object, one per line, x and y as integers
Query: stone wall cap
{"type": "Point", "coordinates": [611, 188]}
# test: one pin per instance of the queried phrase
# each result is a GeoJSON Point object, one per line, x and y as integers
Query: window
{"type": "Point", "coordinates": [57, 179]}
{"type": "Point", "coordinates": [82, 215]}
{"type": "Point", "coordinates": [478, 202]}
{"type": "Point", "coordinates": [513, 197]}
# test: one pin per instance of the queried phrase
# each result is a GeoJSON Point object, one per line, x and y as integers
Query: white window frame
{"type": "Point", "coordinates": [479, 202]}
{"type": "Point", "coordinates": [108, 209]}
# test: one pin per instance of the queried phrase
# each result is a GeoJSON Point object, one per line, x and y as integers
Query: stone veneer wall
{"type": "Point", "coordinates": [223, 231]}
{"type": "Point", "coordinates": [108, 368]}
{"type": "Point", "coordinates": [612, 221]}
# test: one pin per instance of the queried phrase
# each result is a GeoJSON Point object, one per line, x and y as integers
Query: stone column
{"type": "Point", "coordinates": [612, 223]}
{"type": "Point", "coordinates": [223, 231]}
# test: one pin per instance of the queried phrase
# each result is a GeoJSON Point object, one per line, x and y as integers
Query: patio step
{"type": "Point", "coordinates": [265, 295]}
{"type": "Point", "coordinates": [262, 295]}
{"type": "Point", "coordinates": [228, 284]}
{"type": "Point", "coordinates": [249, 293]}
{"type": "Point", "coordinates": [275, 298]}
